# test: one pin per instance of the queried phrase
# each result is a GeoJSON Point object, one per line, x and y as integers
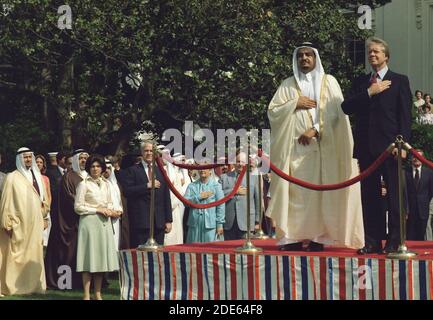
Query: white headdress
{"type": "Point", "coordinates": [76, 163]}
{"type": "Point", "coordinates": [21, 167]}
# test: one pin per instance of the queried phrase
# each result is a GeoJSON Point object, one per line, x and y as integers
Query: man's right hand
{"type": "Point", "coordinates": [242, 191]}
{"type": "Point", "coordinates": [305, 103]}
{"type": "Point", "coordinates": [205, 194]}
{"type": "Point", "coordinates": [378, 87]}
{"type": "Point", "coordinates": [157, 184]}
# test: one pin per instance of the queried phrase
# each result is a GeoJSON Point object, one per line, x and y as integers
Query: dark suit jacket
{"type": "Point", "coordinates": [55, 177]}
{"type": "Point", "coordinates": [138, 196]}
{"type": "Point", "coordinates": [379, 119]}
{"type": "Point", "coordinates": [419, 199]}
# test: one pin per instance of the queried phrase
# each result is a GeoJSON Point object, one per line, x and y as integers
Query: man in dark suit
{"type": "Point", "coordinates": [420, 192]}
{"type": "Point", "coordinates": [381, 103]}
{"type": "Point", "coordinates": [137, 187]}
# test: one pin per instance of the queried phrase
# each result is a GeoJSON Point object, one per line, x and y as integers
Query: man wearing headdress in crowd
{"type": "Point", "coordinates": [311, 140]}
{"type": "Point", "coordinates": [62, 245]}
{"type": "Point", "coordinates": [22, 210]}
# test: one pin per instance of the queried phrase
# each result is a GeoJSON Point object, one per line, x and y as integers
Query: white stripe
{"type": "Point", "coordinates": [317, 275]}
{"type": "Point", "coordinates": [229, 276]}
{"type": "Point", "coordinates": [415, 279]}
{"type": "Point", "coordinates": [192, 265]}
{"type": "Point", "coordinates": [241, 276]}
{"type": "Point", "coordinates": [355, 279]}
{"type": "Point", "coordinates": [159, 286]}
{"type": "Point", "coordinates": [374, 292]}
{"type": "Point", "coordinates": [222, 285]}
{"type": "Point", "coordinates": [298, 278]}
{"type": "Point", "coordinates": [349, 278]}
{"type": "Point", "coordinates": [396, 279]}
{"type": "Point", "coordinates": [281, 277]}
{"type": "Point", "coordinates": [262, 277]}
{"type": "Point", "coordinates": [388, 279]}
{"type": "Point", "coordinates": [140, 274]}
{"type": "Point", "coordinates": [208, 287]}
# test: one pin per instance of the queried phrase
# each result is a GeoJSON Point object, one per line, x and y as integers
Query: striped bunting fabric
{"type": "Point", "coordinates": [221, 276]}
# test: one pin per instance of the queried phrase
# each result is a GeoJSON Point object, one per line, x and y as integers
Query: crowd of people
{"type": "Point", "coordinates": [423, 107]}
{"type": "Point", "coordinates": [82, 208]}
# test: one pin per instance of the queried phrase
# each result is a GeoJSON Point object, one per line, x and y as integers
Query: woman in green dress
{"type": "Point", "coordinates": [96, 250]}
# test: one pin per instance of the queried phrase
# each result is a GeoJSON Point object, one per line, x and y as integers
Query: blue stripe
{"type": "Point", "coordinates": [331, 279]}
{"type": "Point", "coordinates": [304, 276]}
{"type": "Point", "coordinates": [206, 274]}
{"type": "Point", "coordinates": [370, 265]}
{"type": "Point", "coordinates": [422, 280]}
{"type": "Point", "coordinates": [151, 276]}
{"type": "Point", "coordinates": [183, 275]}
{"type": "Point", "coordinates": [167, 276]}
{"type": "Point", "coordinates": [402, 279]}
{"type": "Point", "coordinates": [125, 262]}
{"type": "Point", "coordinates": [286, 277]}
{"type": "Point", "coordinates": [268, 277]}
{"type": "Point", "coordinates": [225, 277]}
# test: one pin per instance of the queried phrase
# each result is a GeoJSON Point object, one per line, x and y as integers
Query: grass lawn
{"type": "Point", "coordinates": [110, 293]}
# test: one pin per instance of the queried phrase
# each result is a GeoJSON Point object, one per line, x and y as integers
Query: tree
{"type": "Point", "coordinates": [127, 66]}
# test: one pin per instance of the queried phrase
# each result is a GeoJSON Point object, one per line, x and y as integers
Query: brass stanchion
{"type": "Point", "coordinates": [248, 246]}
{"type": "Point", "coordinates": [402, 252]}
{"type": "Point", "coordinates": [260, 235]}
{"type": "Point", "coordinates": [151, 244]}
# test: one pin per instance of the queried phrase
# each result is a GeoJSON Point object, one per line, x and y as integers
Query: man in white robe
{"type": "Point", "coordinates": [22, 210]}
{"type": "Point", "coordinates": [311, 140]}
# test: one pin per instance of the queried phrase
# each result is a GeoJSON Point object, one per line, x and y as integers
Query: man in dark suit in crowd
{"type": "Point", "coordinates": [420, 191]}
{"type": "Point", "coordinates": [137, 187]}
{"type": "Point", "coordinates": [381, 103]}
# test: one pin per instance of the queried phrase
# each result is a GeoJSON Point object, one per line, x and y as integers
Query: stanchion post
{"type": "Point", "coordinates": [151, 244]}
{"type": "Point", "coordinates": [402, 252]}
{"type": "Point", "coordinates": [248, 246]}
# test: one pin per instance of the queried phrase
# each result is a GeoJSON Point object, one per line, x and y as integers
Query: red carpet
{"type": "Point", "coordinates": [423, 248]}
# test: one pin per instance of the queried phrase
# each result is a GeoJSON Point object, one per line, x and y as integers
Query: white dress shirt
{"type": "Point", "coordinates": [306, 85]}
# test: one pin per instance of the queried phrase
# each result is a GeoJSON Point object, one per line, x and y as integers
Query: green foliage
{"type": "Point", "coordinates": [216, 62]}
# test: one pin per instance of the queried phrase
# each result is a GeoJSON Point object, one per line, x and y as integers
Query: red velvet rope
{"type": "Point", "coordinates": [327, 187]}
{"type": "Point", "coordinates": [417, 155]}
{"type": "Point", "coordinates": [196, 205]}
{"type": "Point", "coordinates": [191, 166]}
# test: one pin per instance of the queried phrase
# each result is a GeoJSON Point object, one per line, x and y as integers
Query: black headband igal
{"type": "Point", "coordinates": [24, 151]}
{"type": "Point", "coordinates": [79, 151]}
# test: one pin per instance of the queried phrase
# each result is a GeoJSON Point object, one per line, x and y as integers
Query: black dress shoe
{"type": "Point", "coordinates": [390, 247]}
{"type": "Point", "coordinates": [314, 247]}
{"type": "Point", "coordinates": [297, 246]}
{"type": "Point", "coordinates": [369, 250]}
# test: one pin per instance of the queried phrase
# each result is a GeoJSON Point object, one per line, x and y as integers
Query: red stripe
{"type": "Point", "coordinates": [362, 293]}
{"type": "Point", "coordinates": [342, 278]}
{"type": "Point", "coordinates": [233, 284]}
{"type": "Point", "coordinates": [190, 289]}
{"type": "Point", "coordinates": [323, 273]}
{"type": "Point", "coordinates": [314, 276]}
{"type": "Point", "coordinates": [257, 270]}
{"type": "Point", "coordinates": [410, 282]}
{"type": "Point", "coordinates": [173, 268]}
{"type": "Point", "coordinates": [199, 277]}
{"type": "Point", "coordinates": [216, 277]}
{"type": "Point", "coordinates": [293, 276]}
{"type": "Point", "coordinates": [250, 272]}
{"type": "Point", "coordinates": [135, 271]}
{"type": "Point", "coordinates": [382, 280]}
